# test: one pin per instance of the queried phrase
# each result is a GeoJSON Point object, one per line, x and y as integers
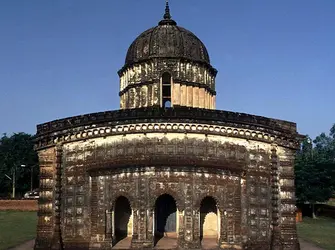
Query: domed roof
{"type": "Point", "coordinates": [167, 40]}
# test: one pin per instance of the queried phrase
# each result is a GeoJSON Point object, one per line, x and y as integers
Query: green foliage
{"type": "Point", "coordinates": [315, 169]}
{"type": "Point", "coordinates": [17, 150]}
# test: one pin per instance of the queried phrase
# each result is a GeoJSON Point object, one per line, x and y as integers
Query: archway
{"type": "Point", "coordinates": [122, 219]}
{"type": "Point", "coordinates": [165, 220]}
{"type": "Point", "coordinates": [209, 222]}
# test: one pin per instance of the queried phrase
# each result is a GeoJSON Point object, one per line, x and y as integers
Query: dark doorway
{"type": "Point", "coordinates": [121, 218]}
{"type": "Point", "coordinates": [165, 217]}
{"type": "Point", "coordinates": [208, 219]}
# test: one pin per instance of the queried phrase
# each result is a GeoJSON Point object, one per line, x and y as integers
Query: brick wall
{"type": "Point", "coordinates": [19, 205]}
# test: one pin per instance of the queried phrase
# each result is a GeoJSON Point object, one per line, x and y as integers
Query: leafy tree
{"type": "Point", "coordinates": [315, 169]}
{"type": "Point", "coordinates": [325, 150]}
{"type": "Point", "coordinates": [325, 146]}
{"type": "Point", "coordinates": [17, 151]}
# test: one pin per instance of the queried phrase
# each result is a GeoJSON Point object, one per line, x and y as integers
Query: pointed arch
{"type": "Point", "coordinates": [172, 193]}
{"type": "Point", "coordinates": [197, 203]}
{"type": "Point", "coordinates": [129, 197]}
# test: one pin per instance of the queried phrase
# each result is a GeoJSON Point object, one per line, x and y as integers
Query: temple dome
{"type": "Point", "coordinates": [167, 40]}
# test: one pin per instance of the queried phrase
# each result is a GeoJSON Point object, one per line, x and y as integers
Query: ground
{"type": "Point", "coordinates": [30, 244]}
{"type": "Point", "coordinates": [317, 234]}
{"type": "Point", "coordinates": [320, 231]}
{"type": "Point", "coordinates": [16, 228]}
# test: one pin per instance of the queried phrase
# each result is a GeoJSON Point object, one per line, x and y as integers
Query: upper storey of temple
{"type": "Point", "coordinates": [167, 66]}
{"type": "Point", "coordinates": [167, 40]}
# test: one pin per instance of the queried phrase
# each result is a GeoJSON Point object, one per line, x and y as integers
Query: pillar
{"type": "Point", "coordinates": [201, 97]}
{"type": "Point", "coordinates": [223, 240]}
{"type": "Point", "coordinates": [288, 215]}
{"type": "Point", "coordinates": [175, 99]}
{"type": "Point", "coordinates": [183, 100]}
{"type": "Point", "coordinates": [143, 217]}
{"type": "Point", "coordinates": [195, 97]}
{"type": "Point", "coordinates": [47, 163]}
{"type": "Point", "coordinates": [189, 96]}
{"type": "Point", "coordinates": [135, 240]}
{"type": "Point", "coordinates": [109, 225]}
{"type": "Point", "coordinates": [57, 242]}
{"type": "Point", "coordinates": [214, 102]}
{"type": "Point", "coordinates": [150, 224]}
{"type": "Point", "coordinates": [276, 242]}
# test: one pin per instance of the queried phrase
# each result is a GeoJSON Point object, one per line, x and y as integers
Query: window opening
{"type": "Point", "coordinates": [166, 90]}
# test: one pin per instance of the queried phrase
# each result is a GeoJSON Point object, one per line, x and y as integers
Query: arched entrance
{"type": "Point", "coordinates": [122, 220]}
{"type": "Point", "coordinates": [165, 220]}
{"type": "Point", "coordinates": [209, 222]}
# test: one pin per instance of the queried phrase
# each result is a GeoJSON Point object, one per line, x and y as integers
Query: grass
{"type": "Point", "coordinates": [320, 231]}
{"type": "Point", "coordinates": [16, 227]}
{"type": "Point", "coordinates": [331, 202]}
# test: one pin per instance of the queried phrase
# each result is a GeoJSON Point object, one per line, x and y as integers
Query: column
{"type": "Point", "coordinates": [150, 225]}
{"type": "Point", "coordinates": [175, 99]}
{"type": "Point", "coordinates": [126, 101]}
{"type": "Point", "coordinates": [201, 97]}
{"type": "Point", "coordinates": [190, 218]}
{"type": "Point", "coordinates": [183, 100]}
{"type": "Point", "coordinates": [109, 226]}
{"type": "Point", "coordinates": [189, 96]}
{"type": "Point", "coordinates": [206, 99]}
{"type": "Point", "coordinates": [244, 208]}
{"type": "Point", "coordinates": [135, 239]}
{"type": "Point", "coordinates": [214, 102]}
{"type": "Point", "coordinates": [143, 217]}
{"type": "Point", "coordinates": [195, 97]}
{"type": "Point", "coordinates": [94, 206]}
{"type": "Point", "coordinates": [156, 94]}
{"type": "Point", "coordinates": [276, 242]}
{"type": "Point", "coordinates": [57, 242]}
{"type": "Point", "coordinates": [223, 240]}
{"type": "Point", "coordinates": [47, 160]}
{"type": "Point", "coordinates": [180, 228]}
{"type": "Point", "coordinates": [287, 200]}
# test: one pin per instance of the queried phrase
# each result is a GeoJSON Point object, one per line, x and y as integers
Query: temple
{"type": "Point", "coordinates": [167, 170]}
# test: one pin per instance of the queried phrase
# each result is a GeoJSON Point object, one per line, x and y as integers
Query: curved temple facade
{"type": "Point", "coordinates": [167, 170]}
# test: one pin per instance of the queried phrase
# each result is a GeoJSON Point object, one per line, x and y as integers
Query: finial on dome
{"type": "Point", "coordinates": [167, 16]}
{"type": "Point", "coordinates": [167, 10]}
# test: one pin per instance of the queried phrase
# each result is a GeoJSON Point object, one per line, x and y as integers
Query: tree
{"type": "Point", "coordinates": [325, 151]}
{"type": "Point", "coordinates": [315, 169]}
{"type": "Point", "coordinates": [325, 146]}
{"type": "Point", "coordinates": [17, 150]}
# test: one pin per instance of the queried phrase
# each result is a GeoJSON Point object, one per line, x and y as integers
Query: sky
{"type": "Point", "coordinates": [60, 58]}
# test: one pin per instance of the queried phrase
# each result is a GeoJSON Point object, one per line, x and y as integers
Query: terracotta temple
{"type": "Point", "coordinates": [167, 170]}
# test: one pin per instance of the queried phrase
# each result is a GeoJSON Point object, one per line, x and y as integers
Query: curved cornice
{"type": "Point", "coordinates": [210, 68]}
{"type": "Point", "coordinates": [176, 120]}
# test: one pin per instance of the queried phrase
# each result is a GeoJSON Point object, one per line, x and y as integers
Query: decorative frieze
{"type": "Point", "coordinates": [94, 132]}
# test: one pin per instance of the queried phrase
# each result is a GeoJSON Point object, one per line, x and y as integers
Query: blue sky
{"type": "Point", "coordinates": [60, 58]}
